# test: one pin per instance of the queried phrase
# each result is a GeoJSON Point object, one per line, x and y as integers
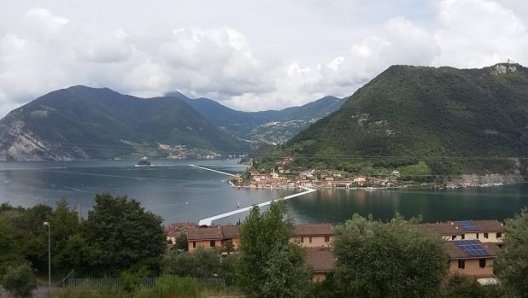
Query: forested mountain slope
{"type": "Point", "coordinates": [441, 121]}
{"type": "Point", "coordinates": [83, 123]}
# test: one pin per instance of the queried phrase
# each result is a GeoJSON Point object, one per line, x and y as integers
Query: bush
{"type": "Point", "coordinates": [20, 281]}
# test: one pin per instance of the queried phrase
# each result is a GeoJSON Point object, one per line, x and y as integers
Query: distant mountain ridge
{"type": "Point", "coordinates": [271, 126]}
{"type": "Point", "coordinates": [426, 122]}
{"type": "Point", "coordinates": [84, 123]}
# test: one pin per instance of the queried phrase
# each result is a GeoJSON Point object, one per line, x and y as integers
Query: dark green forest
{"type": "Point", "coordinates": [454, 121]}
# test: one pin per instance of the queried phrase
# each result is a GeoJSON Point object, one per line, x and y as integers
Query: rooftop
{"type": "Point", "coordinates": [465, 226]}
{"type": "Point", "coordinates": [470, 249]}
{"type": "Point", "coordinates": [320, 259]}
{"type": "Point", "coordinates": [323, 229]}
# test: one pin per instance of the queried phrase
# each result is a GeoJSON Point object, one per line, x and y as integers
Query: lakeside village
{"type": "Point", "coordinates": [283, 178]}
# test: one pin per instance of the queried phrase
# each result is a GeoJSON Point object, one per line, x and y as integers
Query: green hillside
{"type": "Point", "coordinates": [423, 120]}
{"type": "Point", "coordinates": [82, 123]}
{"type": "Point", "coordinates": [264, 127]}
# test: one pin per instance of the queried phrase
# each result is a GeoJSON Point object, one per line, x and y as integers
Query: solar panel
{"type": "Point", "coordinates": [471, 247]}
{"type": "Point", "coordinates": [468, 225]}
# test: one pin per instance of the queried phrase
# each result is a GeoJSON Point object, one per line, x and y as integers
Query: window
{"type": "Point", "coordinates": [194, 244]}
{"type": "Point", "coordinates": [463, 236]}
{"type": "Point", "coordinates": [482, 263]}
{"type": "Point", "coordinates": [461, 264]}
{"type": "Point", "coordinates": [486, 235]}
{"type": "Point", "coordinates": [478, 235]}
{"type": "Point", "coordinates": [453, 237]}
{"type": "Point", "coordinates": [327, 239]}
{"type": "Point", "coordinates": [302, 239]}
{"type": "Point", "coordinates": [499, 234]}
{"type": "Point", "coordinates": [212, 243]}
{"type": "Point", "coordinates": [310, 239]}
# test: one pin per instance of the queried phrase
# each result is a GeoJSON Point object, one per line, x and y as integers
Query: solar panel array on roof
{"type": "Point", "coordinates": [471, 247]}
{"type": "Point", "coordinates": [468, 225]}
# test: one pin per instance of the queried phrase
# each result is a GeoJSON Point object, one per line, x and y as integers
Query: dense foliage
{"type": "Point", "coordinates": [82, 122]}
{"type": "Point", "coordinates": [251, 125]}
{"type": "Point", "coordinates": [20, 281]}
{"type": "Point", "coordinates": [454, 121]}
{"type": "Point", "coordinates": [118, 235]}
{"type": "Point", "coordinates": [512, 264]}
{"type": "Point", "coordinates": [375, 259]}
{"type": "Point", "coordinates": [268, 264]}
{"type": "Point", "coordinates": [121, 235]}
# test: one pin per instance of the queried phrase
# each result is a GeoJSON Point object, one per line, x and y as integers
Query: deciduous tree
{"type": "Point", "coordinates": [512, 264]}
{"type": "Point", "coordinates": [20, 281]}
{"type": "Point", "coordinates": [202, 262]}
{"type": "Point", "coordinates": [121, 235]}
{"type": "Point", "coordinates": [268, 264]}
{"type": "Point", "coordinates": [395, 259]}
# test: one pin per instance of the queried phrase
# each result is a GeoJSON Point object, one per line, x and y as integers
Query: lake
{"type": "Point", "coordinates": [178, 192]}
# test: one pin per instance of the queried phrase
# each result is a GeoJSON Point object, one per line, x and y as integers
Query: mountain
{"type": "Point", "coordinates": [424, 121]}
{"type": "Point", "coordinates": [266, 126]}
{"type": "Point", "coordinates": [84, 123]}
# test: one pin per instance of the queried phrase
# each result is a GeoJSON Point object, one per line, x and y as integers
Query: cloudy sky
{"type": "Point", "coordinates": [247, 54]}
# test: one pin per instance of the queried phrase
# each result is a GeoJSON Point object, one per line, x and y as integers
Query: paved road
{"type": "Point", "coordinates": [40, 292]}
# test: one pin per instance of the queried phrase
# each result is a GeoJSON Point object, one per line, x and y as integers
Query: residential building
{"type": "Point", "coordinates": [321, 260]}
{"type": "Point", "coordinates": [471, 257]}
{"type": "Point", "coordinates": [486, 231]}
{"type": "Point", "coordinates": [307, 235]}
{"type": "Point", "coordinates": [313, 235]}
{"type": "Point", "coordinates": [205, 237]}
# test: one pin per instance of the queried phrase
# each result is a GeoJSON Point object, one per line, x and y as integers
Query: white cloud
{"type": "Point", "coordinates": [475, 33]}
{"type": "Point", "coordinates": [265, 58]}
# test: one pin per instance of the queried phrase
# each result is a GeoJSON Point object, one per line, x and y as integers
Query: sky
{"type": "Point", "coordinates": [247, 54]}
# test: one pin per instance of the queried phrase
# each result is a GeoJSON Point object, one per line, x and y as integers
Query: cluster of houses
{"type": "Point", "coordinates": [310, 179]}
{"type": "Point", "coordinates": [472, 246]}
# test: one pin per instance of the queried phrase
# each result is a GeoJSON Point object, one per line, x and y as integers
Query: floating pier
{"type": "Point", "coordinates": [219, 172]}
{"type": "Point", "coordinates": [208, 221]}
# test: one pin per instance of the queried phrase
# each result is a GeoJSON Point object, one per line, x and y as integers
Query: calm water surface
{"type": "Point", "coordinates": [179, 192]}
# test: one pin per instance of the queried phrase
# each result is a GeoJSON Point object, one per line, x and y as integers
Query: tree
{"type": "Point", "coordinates": [20, 281]}
{"type": "Point", "coordinates": [202, 262]}
{"type": "Point", "coordinates": [9, 250]}
{"type": "Point", "coordinates": [181, 242]}
{"type": "Point", "coordinates": [395, 259]}
{"type": "Point", "coordinates": [459, 286]}
{"type": "Point", "coordinates": [511, 266]}
{"type": "Point", "coordinates": [121, 235]}
{"type": "Point", "coordinates": [268, 264]}
{"type": "Point", "coordinates": [66, 240]}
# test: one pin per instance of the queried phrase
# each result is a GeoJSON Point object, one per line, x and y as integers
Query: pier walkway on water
{"type": "Point", "coordinates": [208, 221]}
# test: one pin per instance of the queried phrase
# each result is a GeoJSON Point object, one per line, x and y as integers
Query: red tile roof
{"type": "Point", "coordinates": [454, 252]}
{"type": "Point", "coordinates": [230, 231]}
{"type": "Point", "coordinates": [454, 227]}
{"type": "Point", "coordinates": [209, 233]}
{"type": "Point", "coordinates": [320, 259]}
{"type": "Point", "coordinates": [312, 230]}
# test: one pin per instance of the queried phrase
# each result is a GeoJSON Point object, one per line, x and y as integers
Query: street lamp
{"type": "Point", "coordinates": [46, 223]}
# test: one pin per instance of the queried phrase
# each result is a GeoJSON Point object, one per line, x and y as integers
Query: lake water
{"type": "Point", "coordinates": [178, 192]}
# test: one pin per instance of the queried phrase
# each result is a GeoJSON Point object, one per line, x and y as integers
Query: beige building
{"type": "Point", "coordinates": [321, 260]}
{"type": "Point", "coordinates": [486, 231]}
{"type": "Point", "coordinates": [313, 235]}
{"type": "Point", "coordinates": [471, 257]}
{"type": "Point", "coordinates": [221, 237]}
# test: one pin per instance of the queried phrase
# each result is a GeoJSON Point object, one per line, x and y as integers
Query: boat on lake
{"type": "Point", "coordinates": [144, 162]}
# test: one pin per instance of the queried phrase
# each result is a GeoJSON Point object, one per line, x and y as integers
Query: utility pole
{"type": "Point", "coordinates": [79, 212]}
{"type": "Point", "coordinates": [46, 223]}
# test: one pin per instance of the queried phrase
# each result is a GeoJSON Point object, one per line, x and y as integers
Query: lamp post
{"type": "Point", "coordinates": [46, 223]}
